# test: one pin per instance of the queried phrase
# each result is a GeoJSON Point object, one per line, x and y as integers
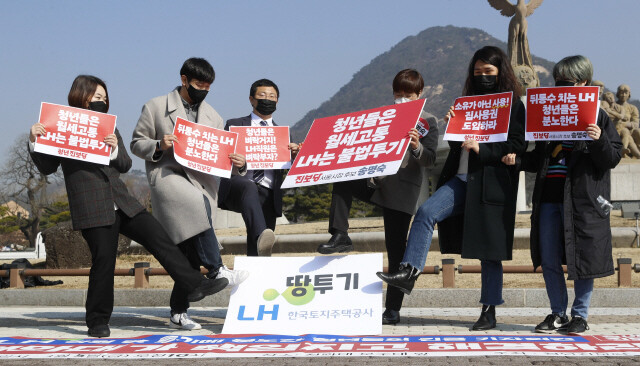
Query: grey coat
{"type": "Point", "coordinates": [177, 192]}
{"type": "Point", "coordinates": [400, 191]}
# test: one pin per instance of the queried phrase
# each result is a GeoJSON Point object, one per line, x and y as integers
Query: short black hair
{"type": "Point", "coordinates": [199, 69]}
{"type": "Point", "coordinates": [263, 82]}
{"type": "Point", "coordinates": [408, 81]}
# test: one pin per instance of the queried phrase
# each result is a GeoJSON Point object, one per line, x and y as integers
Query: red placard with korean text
{"type": "Point", "coordinates": [264, 147]}
{"type": "Point", "coordinates": [75, 133]}
{"type": "Point", "coordinates": [484, 118]}
{"type": "Point", "coordinates": [356, 145]}
{"type": "Point", "coordinates": [203, 148]}
{"type": "Point", "coordinates": [561, 113]}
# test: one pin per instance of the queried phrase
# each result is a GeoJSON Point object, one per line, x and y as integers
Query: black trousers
{"type": "Point", "coordinates": [396, 228]}
{"type": "Point", "coordinates": [178, 300]}
{"type": "Point", "coordinates": [256, 204]}
{"type": "Point", "coordinates": [103, 244]}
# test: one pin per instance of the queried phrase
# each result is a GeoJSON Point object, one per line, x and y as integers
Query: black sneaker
{"type": "Point", "coordinates": [577, 325]}
{"type": "Point", "coordinates": [207, 287]}
{"type": "Point", "coordinates": [552, 323]}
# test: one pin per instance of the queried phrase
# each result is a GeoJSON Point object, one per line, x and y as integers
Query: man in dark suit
{"type": "Point", "coordinates": [257, 195]}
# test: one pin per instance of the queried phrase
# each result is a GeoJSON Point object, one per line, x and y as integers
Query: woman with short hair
{"type": "Point", "coordinates": [570, 218]}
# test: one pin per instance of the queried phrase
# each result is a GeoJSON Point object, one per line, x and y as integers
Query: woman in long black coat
{"type": "Point", "coordinates": [568, 221]}
{"type": "Point", "coordinates": [474, 205]}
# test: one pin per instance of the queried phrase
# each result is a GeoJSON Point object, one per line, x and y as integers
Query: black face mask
{"type": "Point", "coordinates": [98, 106]}
{"type": "Point", "coordinates": [484, 84]}
{"type": "Point", "coordinates": [565, 83]}
{"type": "Point", "coordinates": [196, 95]}
{"type": "Point", "coordinates": [266, 107]}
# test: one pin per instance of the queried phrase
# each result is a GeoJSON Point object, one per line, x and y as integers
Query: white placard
{"type": "Point", "coordinates": [307, 295]}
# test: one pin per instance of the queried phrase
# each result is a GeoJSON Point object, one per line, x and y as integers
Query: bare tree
{"type": "Point", "coordinates": [23, 183]}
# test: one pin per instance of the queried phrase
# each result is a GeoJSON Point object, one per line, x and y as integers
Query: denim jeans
{"type": "Point", "coordinates": [206, 244]}
{"type": "Point", "coordinates": [491, 278]}
{"type": "Point", "coordinates": [551, 253]}
{"type": "Point", "coordinates": [447, 201]}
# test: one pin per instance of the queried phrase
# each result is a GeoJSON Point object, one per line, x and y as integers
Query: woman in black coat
{"type": "Point", "coordinates": [102, 207]}
{"type": "Point", "coordinates": [474, 205]}
{"type": "Point", "coordinates": [570, 218]}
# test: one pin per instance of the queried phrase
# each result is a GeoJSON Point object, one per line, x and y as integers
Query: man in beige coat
{"type": "Point", "coordinates": [181, 198]}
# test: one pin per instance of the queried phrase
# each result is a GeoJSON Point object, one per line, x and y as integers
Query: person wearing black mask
{"type": "Point", "coordinates": [257, 195]}
{"type": "Point", "coordinates": [475, 202]}
{"type": "Point", "coordinates": [102, 207]}
{"type": "Point", "coordinates": [183, 199]}
{"type": "Point", "coordinates": [569, 223]}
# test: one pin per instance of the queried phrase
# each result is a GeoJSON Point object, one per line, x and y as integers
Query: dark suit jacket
{"type": "Point", "coordinates": [225, 184]}
{"type": "Point", "coordinates": [92, 188]}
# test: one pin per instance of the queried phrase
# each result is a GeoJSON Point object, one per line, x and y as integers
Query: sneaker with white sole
{"type": "Point", "coordinates": [577, 325]}
{"type": "Point", "coordinates": [235, 277]}
{"type": "Point", "coordinates": [552, 323]}
{"type": "Point", "coordinates": [183, 321]}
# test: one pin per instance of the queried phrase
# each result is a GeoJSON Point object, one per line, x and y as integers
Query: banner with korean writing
{"type": "Point", "coordinates": [356, 145]}
{"type": "Point", "coordinates": [203, 148]}
{"type": "Point", "coordinates": [561, 113]}
{"type": "Point", "coordinates": [484, 118]}
{"type": "Point", "coordinates": [181, 345]}
{"type": "Point", "coordinates": [264, 147]}
{"type": "Point", "coordinates": [75, 133]}
{"type": "Point", "coordinates": [301, 295]}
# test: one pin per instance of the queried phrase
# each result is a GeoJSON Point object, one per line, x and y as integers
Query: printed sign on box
{"type": "Point", "coordinates": [561, 113]}
{"type": "Point", "coordinates": [203, 148]}
{"type": "Point", "coordinates": [484, 118]}
{"type": "Point", "coordinates": [264, 147]}
{"type": "Point", "coordinates": [356, 145]}
{"type": "Point", "coordinates": [75, 133]}
{"type": "Point", "coordinates": [302, 295]}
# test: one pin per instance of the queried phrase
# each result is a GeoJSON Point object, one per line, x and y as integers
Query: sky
{"type": "Point", "coordinates": [309, 48]}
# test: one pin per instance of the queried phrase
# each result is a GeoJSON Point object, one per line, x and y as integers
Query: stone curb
{"type": "Point", "coordinates": [419, 298]}
{"type": "Point", "coordinates": [622, 237]}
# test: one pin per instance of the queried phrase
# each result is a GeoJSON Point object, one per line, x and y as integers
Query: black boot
{"type": "Point", "coordinates": [339, 243]}
{"type": "Point", "coordinates": [390, 316]}
{"type": "Point", "coordinates": [487, 318]}
{"type": "Point", "coordinates": [404, 279]}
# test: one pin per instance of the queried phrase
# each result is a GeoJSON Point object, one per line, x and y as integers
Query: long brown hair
{"type": "Point", "coordinates": [506, 78]}
{"type": "Point", "coordinates": [83, 89]}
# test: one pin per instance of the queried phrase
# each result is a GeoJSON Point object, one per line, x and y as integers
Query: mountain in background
{"type": "Point", "coordinates": [440, 54]}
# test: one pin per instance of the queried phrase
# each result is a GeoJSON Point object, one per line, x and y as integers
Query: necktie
{"type": "Point", "coordinates": [258, 175]}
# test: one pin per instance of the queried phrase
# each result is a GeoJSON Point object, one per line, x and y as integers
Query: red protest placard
{"type": "Point", "coordinates": [264, 147]}
{"type": "Point", "coordinates": [561, 113]}
{"type": "Point", "coordinates": [75, 133]}
{"type": "Point", "coordinates": [356, 145]}
{"type": "Point", "coordinates": [203, 148]}
{"type": "Point", "coordinates": [484, 118]}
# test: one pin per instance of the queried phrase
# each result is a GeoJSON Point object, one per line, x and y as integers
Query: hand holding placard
{"type": "Point", "coordinates": [483, 118]}
{"type": "Point", "coordinates": [74, 133]}
{"type": "Point", "coordinates": [205, 149]}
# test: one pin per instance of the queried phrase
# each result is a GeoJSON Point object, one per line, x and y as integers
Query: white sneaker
{"type": "Point", "coordinates": [183, 321]}
{"type": "Point", "coordinates": [235, 277]}
{"type": "Point", "coordinates": [265, 243]}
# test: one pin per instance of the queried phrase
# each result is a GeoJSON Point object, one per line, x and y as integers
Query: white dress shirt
{"type": "Point", "coordinates": [269, 175]}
